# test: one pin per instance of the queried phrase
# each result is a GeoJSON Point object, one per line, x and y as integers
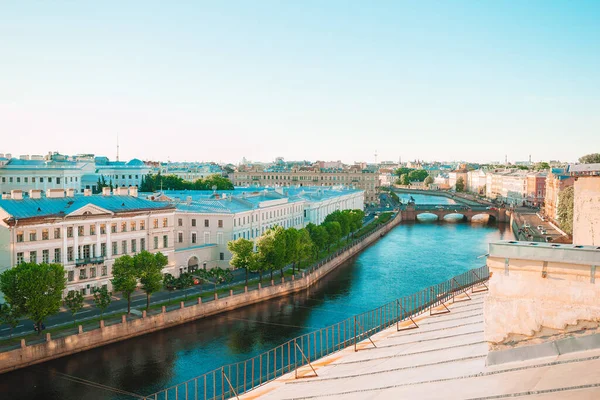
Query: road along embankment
{"type": "Point", "coordinates": [54, 348]}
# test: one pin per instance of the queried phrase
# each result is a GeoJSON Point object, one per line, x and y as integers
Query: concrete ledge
{"type": "Point", "coordinates": [548, 349]}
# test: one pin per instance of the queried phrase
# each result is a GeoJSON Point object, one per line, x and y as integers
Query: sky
{"type": "Point", "coordinates": [303, 80]}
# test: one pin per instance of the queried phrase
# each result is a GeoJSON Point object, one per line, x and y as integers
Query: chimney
{"type": "Point", "coordinates": [133, 191]}
{"type": "Point", "coordinates": [35, 194]}
{"type": "Point", "coordinates": [70, 192]}
{"type": "Point", "coordinates": [120, 191]}
{"type": "Point", "coordinates": [5, 196]}
{"type": "Point", "coordinates": [105, 191]}
{"type": "Point", "coordinates": [87, 192]}
{"type": "Point", "coordinates": [16, 194]}
{"type": "Point", "coordinates": [55, 193]}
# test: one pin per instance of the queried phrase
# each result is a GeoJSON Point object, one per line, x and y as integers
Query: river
{"type": "Point", "coordinates": [410, 257]}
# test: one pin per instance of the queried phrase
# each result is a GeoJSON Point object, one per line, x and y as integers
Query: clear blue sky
{"type": "Point", "coordinates": [318, 79]}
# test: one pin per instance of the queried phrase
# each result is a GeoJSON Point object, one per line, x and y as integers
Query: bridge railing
{"type": "Point", "coordinates": [229, 381]}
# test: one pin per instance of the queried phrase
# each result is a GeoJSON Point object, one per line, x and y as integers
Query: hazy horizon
{"type": "Point", "coordinates": [314, 80]}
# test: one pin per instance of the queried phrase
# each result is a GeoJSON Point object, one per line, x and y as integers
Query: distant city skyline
{"type": "Point", "coordinates": [313, 80]}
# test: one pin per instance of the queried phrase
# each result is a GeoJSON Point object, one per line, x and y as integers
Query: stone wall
{"type": "Point", "coordinates": [540, 292]}
{"type": "Point", "coordinates": [55, 348]}
{"type": "Point", "coordinates": [586, 211]}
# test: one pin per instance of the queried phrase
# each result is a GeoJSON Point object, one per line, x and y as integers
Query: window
{"type": "Point", "coordinates": [104, 270]}
{"type": "Point", "coordinates": [132, 226]}
{"type": "Point", "coordinates": [32, 236]}
{"type": "Point", "coordinates": [46, 256]}
{"type": "Point", "coordinates": [142, 225]}
{"type": "Point", "coordinates": [219, 238]}
{"type": "Point", "coordinates": [33, 256]}
{"type": "Point", "coordinates": [206, 237]}
{"type": "Point", "coordinates": [221, 256]}
{"type": "Point", "coordinates": [41, 180]}
{"type": "Point", "coordinates": [83, 291]}
{"type": "Point", "coordinates": [165, 222]}
{"type": "Point", "coordinates": [193, 221]}
{"type": "Point", "coordinates": [165, 241]}
{"type": "Point", "coordinates": [180, 222]}
{"type": "Point", "coordinates": [20, 258]}
{"type": "Point", "coordinates": [206, 223]}
{"type": "Point", "coordinates": [70, 253]}
{"type": "Point", "coordinates": [71, 276]}
{"type": "Point", "coordinates": [103, 249]}
{"type": "Point", "coordinates": [124, 247]}
{"type": "Point", "coordinates": [56, 255]}
{"type": "Point", "coordinates": [92, 229]}
{"type": "Point", "coordinates": [103, 229]}
{"type": "Point", "coordinates": [155, 223]}
{"type": "Point", "coordinates": [156, 242]}
{"type": "Point", "coordinates": [193, 237]}
{"type": "Point", "coordinates": [180, 237]}
{"type": "Point", "coordinates": [18, 180]}
{"type": "Point", "coordinates": [19, 237]}
{"type": "Point", "coordinates": [93, 272]}
{"type": "Point", "coordinates": [56, 233]}
{"type": "Point", "coordinates": [133, 245]}
{"type": "Point", "coordinates": [114, 248]}
{"type": "Point", "coordinates": [113, 228]}
{"type": "Point", "coordinates": [142, 244]}
{"type": "Point", "coordinates": [80, 231]}
{"type": "Point", "coordinates": [49, 179]}
{"type": "Point", "coordinates": [82, 273]}
{"type": "Point", "coordinates": [220, 223]}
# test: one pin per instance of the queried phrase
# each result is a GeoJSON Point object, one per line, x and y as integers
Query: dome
{"type": "Point", "coordinates": [135, 162]}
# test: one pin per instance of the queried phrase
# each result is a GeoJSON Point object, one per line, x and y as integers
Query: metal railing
{"type": "Point", "coordinates": [231, 380]}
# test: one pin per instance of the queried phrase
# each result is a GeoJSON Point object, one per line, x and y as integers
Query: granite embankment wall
{"type": "Point", "coordinates": [55, 348]}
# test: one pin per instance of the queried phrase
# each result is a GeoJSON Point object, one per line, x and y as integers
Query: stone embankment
{"type": "Point", "coordinates": [54, 348]}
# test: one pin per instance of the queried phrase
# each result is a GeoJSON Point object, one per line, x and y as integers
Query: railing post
{"type": "Point", "coordinates": [355, 333]}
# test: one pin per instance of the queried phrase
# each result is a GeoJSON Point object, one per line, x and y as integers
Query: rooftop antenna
{"type": "Point", "coordinates": [117, 147]}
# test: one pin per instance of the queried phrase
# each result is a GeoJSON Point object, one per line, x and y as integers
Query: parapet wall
{"type": "Point", "coordinates": [540, 292]}
{"type": "Point", "coordinates": [55, 348]}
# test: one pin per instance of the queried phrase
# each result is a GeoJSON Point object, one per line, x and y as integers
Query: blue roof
{"type": "Point", "coordinates": [49, 207]}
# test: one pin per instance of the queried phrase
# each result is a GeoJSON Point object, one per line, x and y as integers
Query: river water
{"type": "Point", "coordinates": [409, 258]}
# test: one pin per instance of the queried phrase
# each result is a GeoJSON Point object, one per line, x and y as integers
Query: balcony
{"type": "Point", "coordinates": [89, 260]}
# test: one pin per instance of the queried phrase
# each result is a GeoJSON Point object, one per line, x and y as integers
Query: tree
{"type": "Point", "coordinates": [565, 209]}
{"type": "Point", "coordinates": [460, 184]}
{"type": "Point", "coordinates": [417, 175]}
{"type": "Point", "coordinates": [220, 276]}
{"type": "Point", "coordinates": [334, 232]}
{"type": "Point", "coordinates": [170, 284]}
{"type": "Point", "coordinates": [149, 269]}
{"type": "Point", "coordinates": [319, 237]}
{"type": "Point", "coordinates": [9, 316]}
{"type": "Point", "coordinates": [428, 181]}
{"type": "Point", "coordinates": [124, 278]}
{"type": "Point", "coordinates": [404, 180]}
{"type": "Point", "coordinates": [74, 302]}
{"type": "Point", "coordinates": [305, 247]}
{"type": "Point", "coordinates": [34, 289]}
{"type": "Point", "coordinates": [102, 299]}
{"type": "Point", "coordinates": [343, 220]}
{"type": "Point", "coordinates": [271, 249]}
{"type": "Point", "coordinates": [184, 282]}
{"type": "Point", "coordinates": [542, 165]}
{"type": "Point", "coordinates": [292, 246]}
{"type": "Point", "coordinates": [590, 158]}
{"type": "Point", "coordinates": [402, 171]}
{"type": "Point", "coordinates": [242, 253]}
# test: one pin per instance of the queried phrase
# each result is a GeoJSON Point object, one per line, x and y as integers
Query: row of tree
{"type": "Point", "coordinates": [408, 175]}
{"type": "Point", "coordinates": [154, 182]}
{"type": "Point", "coordinates": [279, 247]}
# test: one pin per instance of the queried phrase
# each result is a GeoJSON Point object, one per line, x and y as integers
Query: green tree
{"type": "Point", "coordinates": [342, 218]}
{"type": "Point", "coordinates": [542, 165]}
{"type": "Point", "coordinates": [149, 270]}
{"type": "Point", "coordinates": [292, 246]}
{"type": "Point", "coordinates": [460, 184]}
{"type": "Point", "coordinates": [565, 209]}
{"type": "Point", "coordinates": [404, 180]}
{"type": "Point", "coordinates": [319, 236]}
{"type": "Point", "coordinates": [242, 254]}
{"type": "Point", "coordinates": [184, 282]}
{"type": "Point", "coordinates": [219, 276]}
{"type": "Point", "coordinates": [417, 175]}
{"type": "Point", "coordinates": [125, 278]}
{"type": "Point", "coordinates": [428, 181]}
{"type": "Point", "coordinates": [590, 158]}
{"type": "Point", "coordinates": [74, 302]}
{"type": "Point", "coordinates": [334, 232]}
{"type": "Point", "coordinates": [169, 283]}
{"type": "Point", "coordinates": [102, 299]}
{"type": "Point", "coordinates": [402, 171]}
{"type": "Point", "coordinates": [305, 247]}
{"type": "Point", "coordinates": [271, 249]}
{"type": "Point", "coordinates": [9, 316]}
{"type": "Point", "coordinates": [34, 289]}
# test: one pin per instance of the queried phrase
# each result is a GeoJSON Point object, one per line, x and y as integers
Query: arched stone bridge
{"type": "Point", "coordinates": [410, 213]}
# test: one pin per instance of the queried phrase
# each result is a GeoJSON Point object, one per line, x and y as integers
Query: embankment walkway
{"type": "Point", "coordinates": [444, 358]}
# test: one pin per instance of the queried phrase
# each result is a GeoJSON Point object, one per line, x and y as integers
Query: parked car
{"type": "Point", "coordinates": [540, 227]}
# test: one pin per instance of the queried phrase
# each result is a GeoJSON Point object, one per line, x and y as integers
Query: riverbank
{"type": "Point", "coordinates": [194, 309]}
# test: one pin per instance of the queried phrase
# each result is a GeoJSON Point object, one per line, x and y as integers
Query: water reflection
{"type": "Point", "coordinates": [409, 258]}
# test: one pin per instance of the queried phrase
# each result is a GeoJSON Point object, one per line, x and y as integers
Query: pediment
{"type": "Point", "coordinates": [89, 209]}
